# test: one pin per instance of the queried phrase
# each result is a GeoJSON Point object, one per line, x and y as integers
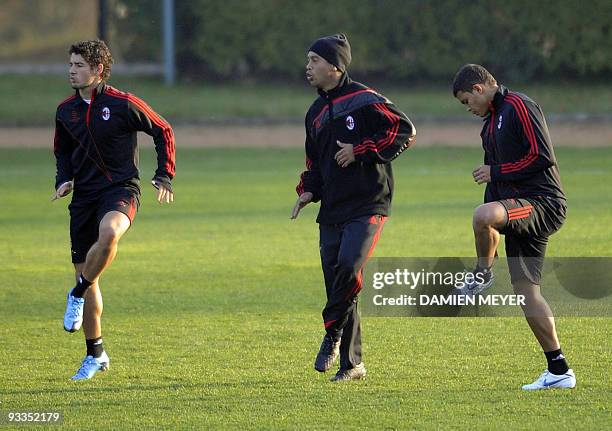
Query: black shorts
{"type": "Point", "coordinates": [530, 222]}
{"type": "Point", "coordinates": [87, 212]}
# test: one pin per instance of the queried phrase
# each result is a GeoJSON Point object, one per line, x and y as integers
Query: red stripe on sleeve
{"type": "Point", "coordinates": [395, 123]}
{"type": "Point", "coordinates": [167, 132]}
{"type": "Point", "coordinates": [389, 136]}
{"type": "Point", "coordinates": [532, 155]}
{"type": "Point", "coordinates": [525, 119]}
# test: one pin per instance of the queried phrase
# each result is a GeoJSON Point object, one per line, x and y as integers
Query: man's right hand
{"type": "Point", "coordinates": [63, 190]}
{"type": "Point", "coordinates": [304, 199]}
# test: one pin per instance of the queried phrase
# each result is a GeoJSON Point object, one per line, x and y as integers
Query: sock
{"type": "Point", "coordinates": [81, 287]}
{"type": "Point", "coordinates": [482, 269]}
{"type": "Point", "coordinates": [556, 362]}
{"type": "Point", "coordinates": [95, 347]}
{"type": "Point", "coordinates": [486, 272]}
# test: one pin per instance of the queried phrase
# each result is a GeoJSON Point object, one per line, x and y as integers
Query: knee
{"type": "Point", "coordinates": [108, 236]}
{"type": "Point", "coordinates": [484, 217]}
{"type": "Point", "coordinates": [347, 269]}
{"type": "Point", "coordinates": [526, 288]}
{"type": "Point", "coordinates": [530, 295]}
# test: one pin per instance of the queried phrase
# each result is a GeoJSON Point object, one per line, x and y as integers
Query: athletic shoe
{"type": "Point", "coordinates": [350, 374]}
{"type": "Point", "coordinates": [481, 280]}
{"type": "Point", "coordinates": [549, 380]}
{"type": "Point", "coordinates": [328, 353]}
{"type": "Point", "coordinates": [73, 317]}
{"type": "Point", "coordinates": [91, 366]}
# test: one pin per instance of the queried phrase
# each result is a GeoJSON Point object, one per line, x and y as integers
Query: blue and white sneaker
{"type": "Point", "coordinates": [479, 281]}
{"type": "Point", "coordinates": [91, 366]}
{"type": "Point", "coordinates": [549, 380]}
{"type": "Point", "coordinates": [73, 317]}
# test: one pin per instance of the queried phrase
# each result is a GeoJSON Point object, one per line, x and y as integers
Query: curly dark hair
{"type": "Point", "coordinates": [469, 75]}
{"type": "Point", "coordinates": [94, 52]}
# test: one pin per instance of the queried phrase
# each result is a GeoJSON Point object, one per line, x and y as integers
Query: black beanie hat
{"type": "Point", "coordinates": [335, 49]}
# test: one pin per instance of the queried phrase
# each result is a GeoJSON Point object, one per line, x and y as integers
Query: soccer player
{"type": "Point", "coordinates": [523, 199]}
{"type": "Point", "coordinates": [96, 154]}
{"type": "Point", "coordinates": [352, 135]}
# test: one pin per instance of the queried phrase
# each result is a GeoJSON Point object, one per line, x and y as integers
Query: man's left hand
{"type": "Point", "coordinates": [164, 194]}
{"type": "Point", "coordinates": [482, 174]}
{"type": "Point", "coordinates": [345, 156]}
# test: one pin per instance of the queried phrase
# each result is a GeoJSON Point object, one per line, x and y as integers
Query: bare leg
{"type": "Point", "coordinates": [539, 315]}
{"type": "Point", "coordinates": [488, 219]}
{"type": "Point", "coordinates": [112, 227]}
{"type": "Point", "coordinates": [92, 311]}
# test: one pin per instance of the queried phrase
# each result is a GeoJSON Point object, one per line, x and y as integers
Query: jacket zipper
{"type": "Point", "coordinates": [491, 140]}
{"type": "Point", "coordinates": [93, 95]}
{"type": "Point", "coordinates": [93, 142]}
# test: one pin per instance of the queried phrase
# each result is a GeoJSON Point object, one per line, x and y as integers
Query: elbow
{"type": "Point", "coordinates": [411, 140]}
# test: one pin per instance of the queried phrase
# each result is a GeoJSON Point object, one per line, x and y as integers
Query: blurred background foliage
{"type": "Point", "coordinates": [404, 41]}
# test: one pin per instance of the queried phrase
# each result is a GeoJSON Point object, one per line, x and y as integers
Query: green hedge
{"type": "Point", "coordinates": [405, 41]}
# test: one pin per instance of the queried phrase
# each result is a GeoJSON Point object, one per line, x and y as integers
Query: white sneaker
{"type": "Point", "coordinates": [549, 380]}
{"type": "Point", "coordinates": [91, 366]}
{"type": "Point", "coordinates": [73, 317]}
{"type": "Point", "coordinates": [478, 283]}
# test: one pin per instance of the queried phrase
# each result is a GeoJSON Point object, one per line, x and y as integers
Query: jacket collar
{"type": "Point", "coordinates": [338, 90]}
{"type": "Point", "coordinates": [100, 89]}
{"type": "Point", "coordinates": [499, 97]}
{"type": "Point", "coordinates": [498, 100]}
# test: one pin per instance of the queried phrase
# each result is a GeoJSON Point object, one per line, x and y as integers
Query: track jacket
{"type": "Point", "coordinates": [518, 148]}
{"type": "Point", "coordinates": [95, 144]}
{"type": "Point", "coordinates": [354, 114]}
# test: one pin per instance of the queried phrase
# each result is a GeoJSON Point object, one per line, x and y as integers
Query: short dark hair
{"type": "Point", "coordinates": [94, 52]}
{"type": "Point", "coordinates": [469, 75]}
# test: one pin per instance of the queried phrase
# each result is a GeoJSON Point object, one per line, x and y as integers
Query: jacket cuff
{"type": "Point", "coordinates": [316, 196]}
{"type": "Point", "coordinates": [362, 148]}
{"type": "Point", "coordinates": [161, 180]}
{"type": "Point", "coordinates": [58, 183]}
{"type": "Point", "coordinates": [495, 173]}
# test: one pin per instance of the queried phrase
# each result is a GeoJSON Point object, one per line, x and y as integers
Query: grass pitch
{"type": "Point", "coordinates": [212, 307]}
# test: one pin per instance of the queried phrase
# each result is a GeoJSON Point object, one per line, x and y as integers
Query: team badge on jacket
{"type": "Point", "coordinates": [499, 124]}
{"type": "Point", "coordinates": [350, 122]}
{"type": "Point", "coordinates": [105, 113]}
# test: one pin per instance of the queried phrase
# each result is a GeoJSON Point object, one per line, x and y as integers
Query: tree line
{"type": "Point", "coordinates": [409, 41]}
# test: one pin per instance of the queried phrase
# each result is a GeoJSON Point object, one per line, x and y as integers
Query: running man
{"type": "Point", "coordinates": [96, 155]}
{"type": "Point", "coordinates": [523, 199]}
{"type": "Point", "coordinates": [352, 135]}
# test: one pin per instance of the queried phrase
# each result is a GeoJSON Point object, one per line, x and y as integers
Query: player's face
{"type": "Point", "coordinates": [476, 101]}
{"type": "Point", "coordinates": [82, 75]}
{"type": "Point", "coordinates": [319, 72]}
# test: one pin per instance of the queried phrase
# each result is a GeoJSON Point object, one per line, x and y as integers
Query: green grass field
{"type": "Point", "coordinates": [212, 307]}
{"type": "Point", "coordinates": [35, 98]}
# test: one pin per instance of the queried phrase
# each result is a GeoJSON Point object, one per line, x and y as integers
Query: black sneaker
{"type": "Point", "coordinates": [356, 373]}
{"type": "Point", "coordinates": [328, 353]}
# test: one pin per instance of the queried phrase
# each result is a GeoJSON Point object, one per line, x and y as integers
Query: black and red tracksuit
{"type": "Point", "coordinates": [95, 144]}
{"type": "Point", "coordinates": [524, 179]}
{"type": "Point", "coordinates": [355, 114]}
{"type": "Point", "coordinates": [355, 200]}
{"type": "Point", "coordinates": [519, 150]}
